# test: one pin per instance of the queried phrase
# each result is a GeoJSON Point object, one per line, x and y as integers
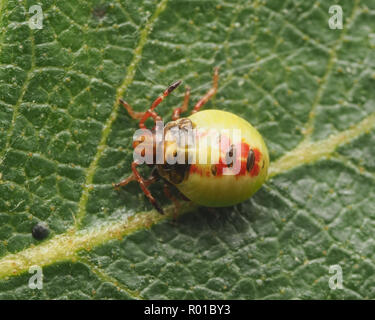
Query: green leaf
{"type": "Point", "coordinates": [64, 140]}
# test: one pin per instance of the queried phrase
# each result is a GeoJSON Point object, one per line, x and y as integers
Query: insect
{"type": "Point", "coordinates": [205, 182]}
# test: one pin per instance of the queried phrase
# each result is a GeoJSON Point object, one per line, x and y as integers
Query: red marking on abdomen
{"type": "Point", "coordinates": [242, 157]}
{"type": "Point", "coordinates": [256, 168]}
{"type": "Point", "coordinates": [195, 169]}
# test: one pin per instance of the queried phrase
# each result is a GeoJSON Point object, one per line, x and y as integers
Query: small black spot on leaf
{"type": "Point", "coordinates": [40, 231]}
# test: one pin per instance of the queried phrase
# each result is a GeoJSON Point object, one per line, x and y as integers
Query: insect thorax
{"type": "Point", "coordinates": [173, 170]}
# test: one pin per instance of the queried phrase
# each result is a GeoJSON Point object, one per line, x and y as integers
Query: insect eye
{"type": "Point", "coordinates": [250, 160]}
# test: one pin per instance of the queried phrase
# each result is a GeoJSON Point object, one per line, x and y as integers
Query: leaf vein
{"type": "Point", "coordinates": [112, 117]}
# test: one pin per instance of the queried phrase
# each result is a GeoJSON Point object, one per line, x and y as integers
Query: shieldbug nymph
{"type": "Point", "coordinates": [234, 171]}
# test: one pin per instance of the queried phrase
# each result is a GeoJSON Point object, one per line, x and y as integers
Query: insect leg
{"type": "Point", "coordinates": [131, 178]}
{"type": "Point", "coordinates": [135, 176]}
{"type": "Point", "coordinates": [143, 186]}
{"type": "Point", "coordinates": [129, 109]}
{"type": "Point", "coordinates": [154, 176]}
{"type": "Point", "coordinates": [176, 112]}
{"type": "Point", "coordinates": [174, 200]}
{"type": "Point", "coordinates": [124, 182]}
{"type": "Point", "coordinates": [138, 115]}
{"type": "Point", "coordinates": [157, 101]}
{"type": "Point", "coordinates": [183, 197]}
{"type": "Point", "coordinates": [210, 92]}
